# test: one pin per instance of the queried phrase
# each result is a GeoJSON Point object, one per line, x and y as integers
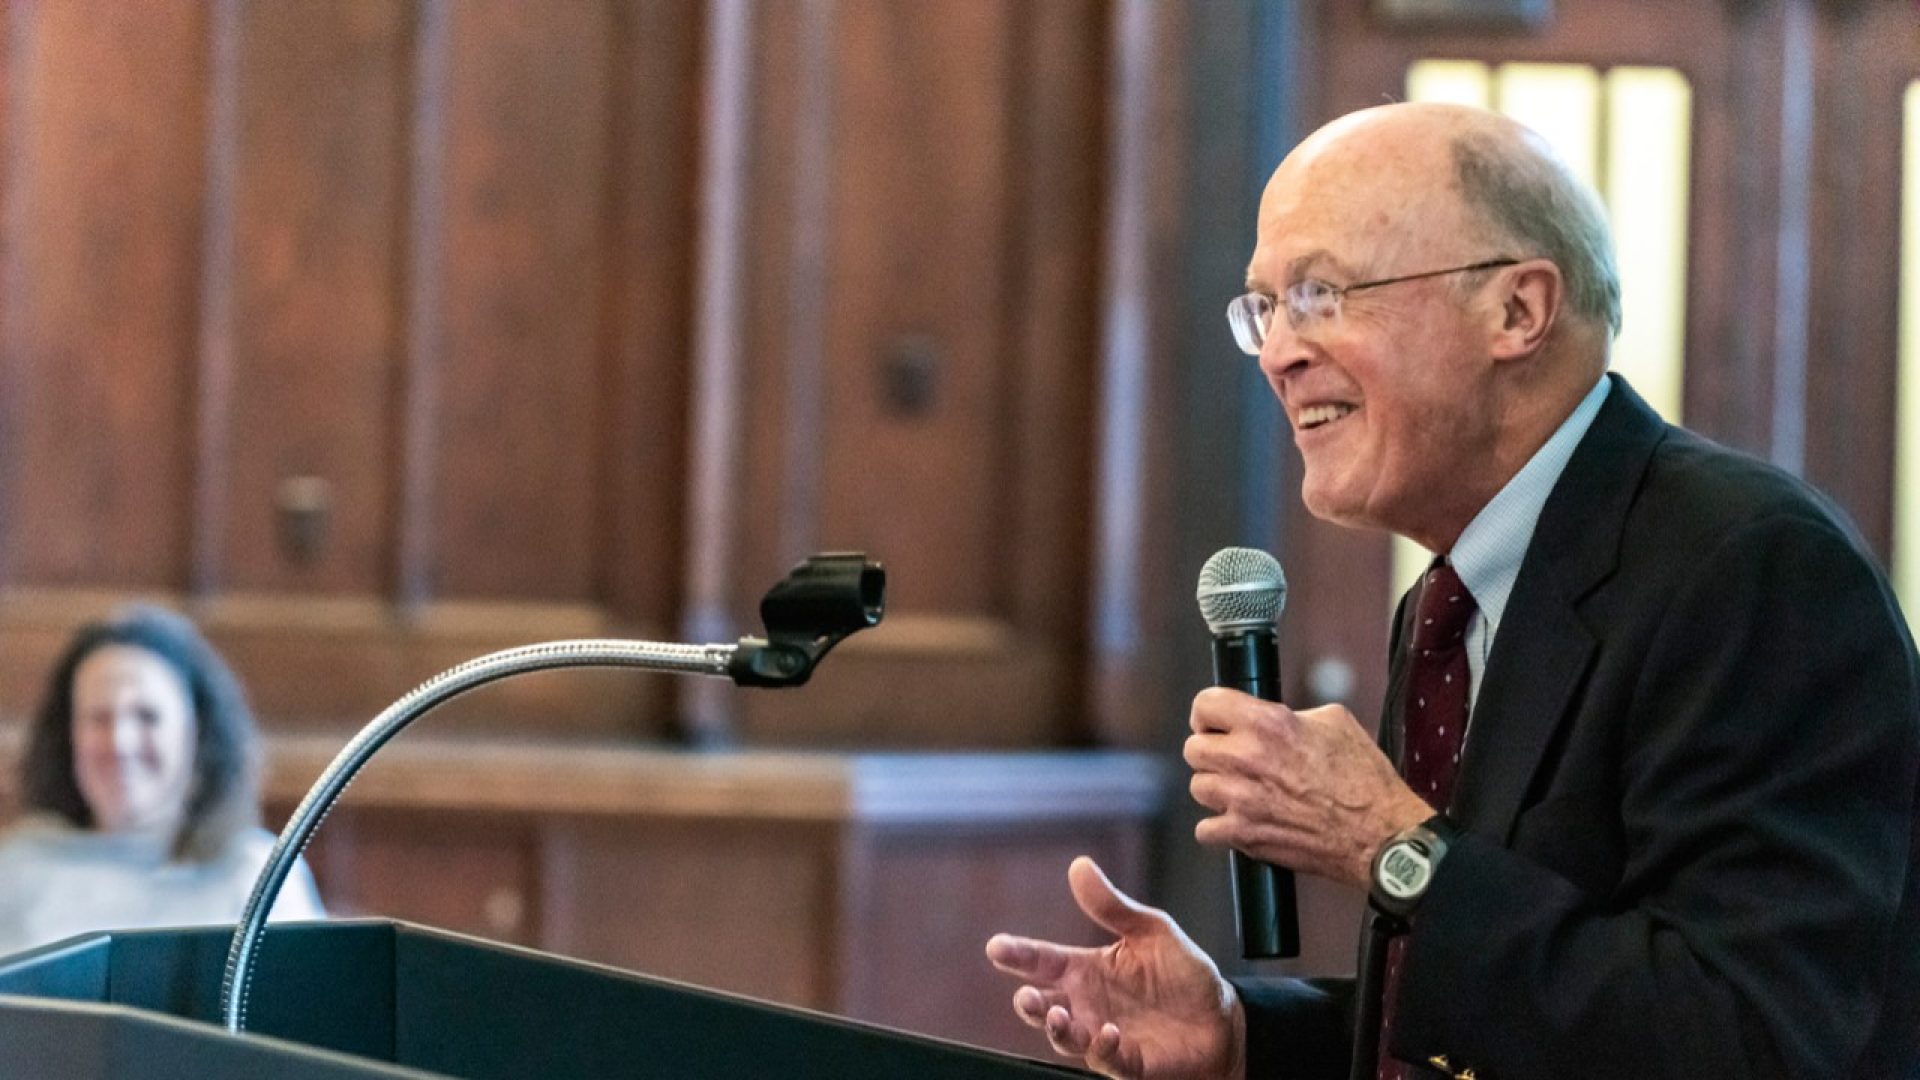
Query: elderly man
{"type": "Point", "coordinates": [1644, 800]}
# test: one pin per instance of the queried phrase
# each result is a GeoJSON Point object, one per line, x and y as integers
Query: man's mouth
{"type": "Point", "coordinates": [1315, 416]}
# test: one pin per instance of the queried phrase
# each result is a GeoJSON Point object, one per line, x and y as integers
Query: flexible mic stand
{"type": "Point", "coordinates": [816, 606]}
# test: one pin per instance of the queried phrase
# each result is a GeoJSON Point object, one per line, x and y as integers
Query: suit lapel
{"type": "Point", "coordinates": [1543, 649]}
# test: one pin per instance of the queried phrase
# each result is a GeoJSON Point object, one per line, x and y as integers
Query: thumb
{"type": "Point", "coordinates": [1115, 911]}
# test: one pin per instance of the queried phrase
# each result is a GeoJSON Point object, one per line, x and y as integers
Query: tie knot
{"type": "Point", "coordinates": [1440, 619]}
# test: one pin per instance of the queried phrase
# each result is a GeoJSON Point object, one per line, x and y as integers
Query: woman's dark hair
{"type": "Point", "coordinates": [224, 795]}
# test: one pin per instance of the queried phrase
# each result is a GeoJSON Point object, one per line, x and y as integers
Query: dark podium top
{"type": "Point", "coordinates": [374, 998]}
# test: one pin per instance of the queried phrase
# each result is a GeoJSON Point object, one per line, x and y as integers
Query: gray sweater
{"type": "Point", "coordinates": [57, 881]}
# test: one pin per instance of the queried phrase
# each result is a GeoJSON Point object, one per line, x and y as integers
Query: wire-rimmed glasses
{"type": "Point", "coordinates": [1311, 301]}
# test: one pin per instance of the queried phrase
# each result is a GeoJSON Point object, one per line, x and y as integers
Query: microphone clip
{"type": "Point", "coordinates": [816, 606]}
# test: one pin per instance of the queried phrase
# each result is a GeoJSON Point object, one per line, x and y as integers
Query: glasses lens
{"type": "Point", "coordinates": [1249, 315]}
{"type": "Point", "coordinates": [1310, 301]}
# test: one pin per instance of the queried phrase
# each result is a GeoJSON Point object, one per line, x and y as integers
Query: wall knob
{"type": "Point", "coordinates": [302, 507]}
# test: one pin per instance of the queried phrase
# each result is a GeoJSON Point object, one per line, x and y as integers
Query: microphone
{"type": "Point", "coordinates": [1241, 593]}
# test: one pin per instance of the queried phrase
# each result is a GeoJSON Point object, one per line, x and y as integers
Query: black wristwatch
{"type": "Point", "coordinates": [1404, 867]}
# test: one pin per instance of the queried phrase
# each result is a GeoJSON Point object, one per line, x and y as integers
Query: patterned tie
{"type": "Point", "coordinates": [1435, 710]}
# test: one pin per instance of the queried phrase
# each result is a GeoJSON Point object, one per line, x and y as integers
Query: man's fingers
{"type": "Point", "coordinates": [1029, 958]}
{"type": "Point", "coordinates": [1068, 1038]}
{"type": "Point", "coordinates": [1218, 710]}
{"type": "Point", "coordinates": [1111, 1055]}
{"type": "Point", "coordinates": [1209, 790]}
{"type": "Point", "coordinates": [1032, 1004]}
{"type": "Point", "coordinates": [1115, 911]}
{"type": "Point", "coordinates": [1215, 709]}
{"type": "Point", "coordinates": [1203, 751]}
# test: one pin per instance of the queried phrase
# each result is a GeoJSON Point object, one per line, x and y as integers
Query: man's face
{"type": "Point", "coordinates": [1386, 399]}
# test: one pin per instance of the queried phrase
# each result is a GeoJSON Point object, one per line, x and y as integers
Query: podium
{"type": "Point", "coordinates": [377, 998]}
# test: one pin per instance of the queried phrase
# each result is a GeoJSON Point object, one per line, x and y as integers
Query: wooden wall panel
{"type": "Point", "coordinates": [916, 375]}
{"type": "Point", "coordinates": [920, 288]}
{"type": "Point", "coordinates": [472, 874]}
{"type": "Point", "coordinates": [103, 204]}
{"type": "Point", "coordinates": [425, 269]}
{"type": "Point", "coordinates": [767, 883]}
{"type": "Point", "coordinates": [652, 173]}
{"type": "Point", "coordinates": [513, 488]}
{"type": "Point", "coordinates": [1059, 78]}
{"type": "Point", "coordinates": [310, 323]}
{"type": "Point", "coordinates": [1866, 54]}
{"type": "Point", "coordinates": [1136, 431]}
{"type": "Point", "coordinates": [1737, 59]}
{"type": "Point", "coordinates": [784, 276]}
{"type": "Point", "coordinates": [420, 267]}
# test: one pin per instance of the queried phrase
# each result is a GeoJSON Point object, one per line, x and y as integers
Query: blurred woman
{"type": "Point", "coordinates": [141, 782]}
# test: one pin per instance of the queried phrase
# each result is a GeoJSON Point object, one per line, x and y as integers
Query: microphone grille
{"type": "Point", "coordinates": [1241, 588]}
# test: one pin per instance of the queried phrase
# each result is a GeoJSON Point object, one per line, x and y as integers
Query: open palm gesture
{"type": "Point", "coordinates": [1148, 1006]}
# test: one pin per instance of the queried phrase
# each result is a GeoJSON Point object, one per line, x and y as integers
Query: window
{"type": "Point", "coordinates": [1906, 466]}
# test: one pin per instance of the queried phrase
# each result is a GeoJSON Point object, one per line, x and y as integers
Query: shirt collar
{"type": "Point", "coordinates": [1487, 556]}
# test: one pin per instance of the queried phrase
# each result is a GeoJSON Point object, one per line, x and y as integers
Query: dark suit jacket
{"type": "Point", "coordinates": [1689, 794]}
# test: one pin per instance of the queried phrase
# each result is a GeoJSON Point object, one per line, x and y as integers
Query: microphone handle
{"type": "Point", "coordinates": [1265, 912]}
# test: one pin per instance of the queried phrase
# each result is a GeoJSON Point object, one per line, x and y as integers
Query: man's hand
{"type": "Point", "coordinates": [1307, 790]}
{"type": "Point", "coordinates": [1150, 1006]}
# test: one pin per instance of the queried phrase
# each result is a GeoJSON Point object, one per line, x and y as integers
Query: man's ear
{"type": "Point", "coordinates": [1530, 296]}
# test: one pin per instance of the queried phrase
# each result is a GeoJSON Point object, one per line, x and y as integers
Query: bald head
{"type": "Point", "coordinates": [1433, 176]}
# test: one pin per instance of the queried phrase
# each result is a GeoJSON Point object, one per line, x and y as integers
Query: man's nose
{"type": "Point", "coordinates": [1284, 353]}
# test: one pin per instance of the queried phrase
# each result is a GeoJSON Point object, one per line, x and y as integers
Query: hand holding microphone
{"type": "Point", "coordinates": [1241, 593]}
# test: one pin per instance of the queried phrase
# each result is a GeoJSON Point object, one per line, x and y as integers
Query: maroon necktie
{"type": "Point", "coordinates": [1435, 727]}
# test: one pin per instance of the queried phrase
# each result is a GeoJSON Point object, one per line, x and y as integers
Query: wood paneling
{"type": "Point", "coordinates": [748, 904]}
{"type": "Point", "coordinates": [301, 295]}
{"type": "Point", "coordinates": [919, 288]}
{"type": "Point", "coordinates": [473, 873]}
{"type": "Point", "coordinates": [1866, 55]}
{"type": "Point", "coordinates": [1065, 126]}
{"type": "Point", "coordinates": [368, 331]}
{"type": "Point", "coordinates": [357, 328]}
{"type": "Point", "coordinates": [1135, 434]}
{"type": "Point", "coordinates": [729, 124]}
{"type": "Point", "coordinates": [904, 389]}
{"type": "Point", "coordinates": [522, 172]}
{"type": "Point", "coordinates": [103, 210]}
{"type": "Point", "coordinates": [653, 166]}
{"type": "Point", "coordinates": [1732, 336]}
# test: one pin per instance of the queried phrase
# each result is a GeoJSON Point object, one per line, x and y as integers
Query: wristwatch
{"type": "Point", "coordinates": [1405, 865]}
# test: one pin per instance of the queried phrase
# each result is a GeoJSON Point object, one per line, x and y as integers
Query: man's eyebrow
{"type": "Point", "coordinates": [1296, 269]}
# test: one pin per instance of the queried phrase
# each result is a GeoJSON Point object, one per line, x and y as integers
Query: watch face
{"type": "Point", "coordinates": [1405, 869]}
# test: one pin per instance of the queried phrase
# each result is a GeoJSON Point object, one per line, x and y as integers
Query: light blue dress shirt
{"type": "Point", "coordinates": [1487, 556]}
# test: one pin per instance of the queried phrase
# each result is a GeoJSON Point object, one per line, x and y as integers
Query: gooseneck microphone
{"type": "Point", "coordinates": [1241, 593]}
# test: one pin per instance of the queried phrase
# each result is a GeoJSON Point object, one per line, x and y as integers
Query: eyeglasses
{"type": "Point", "coordinates": [1311, 302]}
